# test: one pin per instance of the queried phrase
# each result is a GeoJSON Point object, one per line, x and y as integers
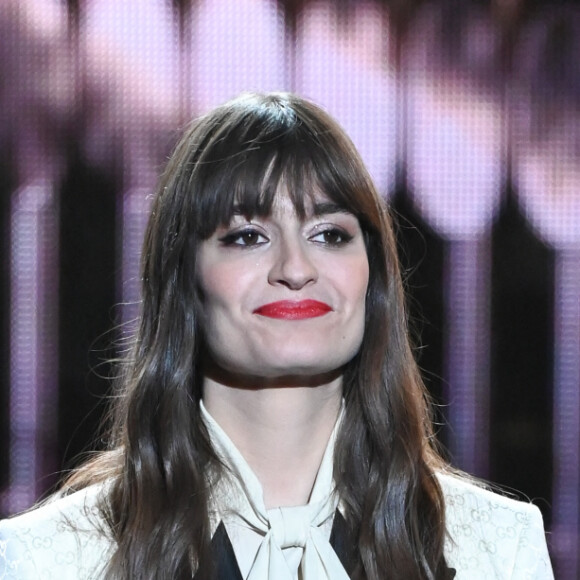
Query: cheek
{"type": "Point", "coordinates": [225, 291]}
{"type": "Point", "coordinates": [212, 282]}
{"type": "Point", "coordinates": [362, 284]}
{"type": "Point", "coordinates": [214, 293]}
{"type": "Point", "coordinates": [217, 283]}
{"type": "Point", "coordinates": [364, 280]}
{"type": "Point", "coordinates": [359, 281]}
{"type": "Point", "coordinates": [355, 281]}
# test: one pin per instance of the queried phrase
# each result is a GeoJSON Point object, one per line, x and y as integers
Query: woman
{"type": "Point", "coordinates": [272, 422]}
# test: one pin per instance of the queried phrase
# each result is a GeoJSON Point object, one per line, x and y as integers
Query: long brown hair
{"type": "Point", "coordinates": [160, 456]}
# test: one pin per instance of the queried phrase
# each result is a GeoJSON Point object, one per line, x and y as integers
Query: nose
{"type": "Point", "coordinates": [293, 267]}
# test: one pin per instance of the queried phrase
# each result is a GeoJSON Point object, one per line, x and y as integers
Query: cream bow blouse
{"type": "Point", "coordinates": [281, 542]}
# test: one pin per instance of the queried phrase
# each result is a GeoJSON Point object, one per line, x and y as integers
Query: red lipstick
{"type": "Point", "coordinates": [292, 310]}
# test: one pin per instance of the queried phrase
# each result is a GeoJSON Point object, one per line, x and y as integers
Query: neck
{"type": "Point", "coordinates": [281, 431]}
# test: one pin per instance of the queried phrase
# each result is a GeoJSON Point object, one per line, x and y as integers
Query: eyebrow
{"type": "Point", "coordinates": [326, 207]}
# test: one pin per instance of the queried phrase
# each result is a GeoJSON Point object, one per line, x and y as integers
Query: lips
{"type": "Point", "coordinates": [294, 310]}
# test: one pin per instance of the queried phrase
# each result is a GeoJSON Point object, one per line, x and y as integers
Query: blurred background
{"type": "Point", "coordinates": [467, 114]}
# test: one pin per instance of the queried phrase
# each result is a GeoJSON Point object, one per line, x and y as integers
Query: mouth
{"type": "Point", "coordinates": [294, 310]}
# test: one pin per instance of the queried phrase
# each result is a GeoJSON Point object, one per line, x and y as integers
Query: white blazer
{"type": "Point", "coordinates": [489, 537]}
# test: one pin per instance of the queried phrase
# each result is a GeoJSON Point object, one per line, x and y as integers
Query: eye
{"type": "Point", "coordinates": [247, 237]}
{"type": "Point", "coordinates": [332, 236]}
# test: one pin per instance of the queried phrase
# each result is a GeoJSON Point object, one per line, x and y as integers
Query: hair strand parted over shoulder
{"type": "Point", "coordinates": [161, 464]}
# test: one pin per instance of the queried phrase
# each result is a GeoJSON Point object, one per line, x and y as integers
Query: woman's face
{"type": "Point", "coordinates": [284, 296]}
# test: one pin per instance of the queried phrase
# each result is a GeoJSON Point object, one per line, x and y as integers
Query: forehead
{"type": "Point", "coordinates": [312, 204]}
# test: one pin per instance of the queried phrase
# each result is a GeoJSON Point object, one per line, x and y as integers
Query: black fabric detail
{"type": "Point", "coordinates": [343, 543]}
{"type": "Point", "coordinates": [223, 556]}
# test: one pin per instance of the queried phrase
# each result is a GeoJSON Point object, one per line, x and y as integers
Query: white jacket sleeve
{"type": "Point", "coordinates": [61, 540]}
{"type": "Point", "coordinates": [532, 561]}
{"type": "Point", "coordinates": [16, 557]}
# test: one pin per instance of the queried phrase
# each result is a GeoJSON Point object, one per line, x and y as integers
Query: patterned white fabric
{"type": "Point", "coordinates": [61, 540]}
{"type": "Point", "coordinates": [490, 537]}
{"type": "Point", "coordinates": [493, 536]}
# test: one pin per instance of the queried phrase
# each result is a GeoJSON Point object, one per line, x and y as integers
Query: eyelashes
{"type": "Point", "coordinates": [251, 237]}
{"type": "Point", "coordinates": [247, 238]}
{"type": "Point", "coordinates": [332, 236]}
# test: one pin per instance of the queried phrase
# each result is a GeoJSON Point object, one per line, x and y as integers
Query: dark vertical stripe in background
{"type": "Point", "coordinates": [88, 237]}
{"type": "Point", "coordinates": [522, 331]}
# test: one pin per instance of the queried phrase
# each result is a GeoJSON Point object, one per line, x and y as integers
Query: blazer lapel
{"type": "Point", "coordinates": [342, 543]}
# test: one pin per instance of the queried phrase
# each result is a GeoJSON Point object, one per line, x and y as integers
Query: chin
{"type": "Point", "coordinates": [306, 366]}
{"type": "Point", "coordinates": [298, 377]}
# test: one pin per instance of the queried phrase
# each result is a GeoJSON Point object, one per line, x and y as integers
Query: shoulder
{"type": "Point", "coordinates": [491, 535]}
{"type": "Point", "coordinates": [65, 538]}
